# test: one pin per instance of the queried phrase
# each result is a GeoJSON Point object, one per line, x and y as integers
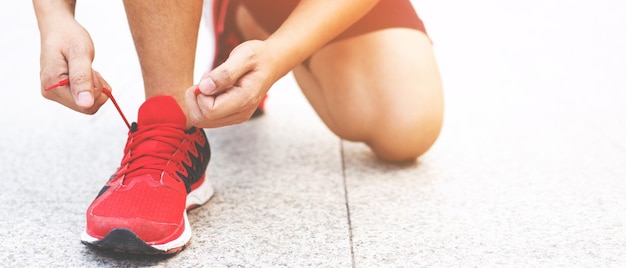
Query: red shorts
{"type": "Point", "coordinates": [270, 14]}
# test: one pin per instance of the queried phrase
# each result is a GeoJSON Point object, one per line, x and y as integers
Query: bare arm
{"type": "Point", "coordinates": [231, 91]}
{"type": "Point", "coordinates": [49, 11]}
{"type": "Point", "coordinates": [313, 24]}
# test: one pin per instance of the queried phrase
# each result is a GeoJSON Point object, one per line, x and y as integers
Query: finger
{"type": "Point", "coordinates": [195, 114]}
{"type": "Point", "coordinates": [226, 74]}
{"type": "Point", "coordinates": [232, 119]}
{"type": "Point", "coordinates": [225, 105]}
{"type": "Point", "coordinates": [58, 93]}
{"type": "Point", "coordinates": [202, 111]}
{"type": "Point", "coordinates": [210, 109]}
{"type": "Point", "coordinates": [53, 70]}
{"type": "Point", "coordinates": [104, 82]}
{"type": "Point", "coordinates": [99, 84]}
{"type": "Point", "coordinates": [206, 86]}
{"type": "Point", "coordinates": [81, 77]}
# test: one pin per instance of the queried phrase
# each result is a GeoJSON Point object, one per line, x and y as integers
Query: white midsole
{"type": "Point", "coordinates": [200, 195]}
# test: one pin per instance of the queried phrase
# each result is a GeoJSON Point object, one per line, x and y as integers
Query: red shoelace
{"type": "Point", "coordinates": [138, 160]}
{"type": "Point", "coordinates": [106, 91]}
{"type": "Point", "coordinates": [167, 134]}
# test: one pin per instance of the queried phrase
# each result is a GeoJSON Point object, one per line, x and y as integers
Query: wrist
{"type": "Point", "coordinates": [51, 13]}
{"type": "Point", "coordinates": [286, 54]}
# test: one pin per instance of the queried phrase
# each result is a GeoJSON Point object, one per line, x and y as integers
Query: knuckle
{"type": "Point", "coordinates": [79, 78]}
{"type": "Point", "coordinates": [80, 50]}
{"type": "Point", "coordinates": [225, 76]}
{"type": "Point", "coordinates": [48, 76]}
{"type": "Point", "coordinates": [196, 118]}
{"type": "Point", "coordinates": [246, 50]}
{"type": "Point", "coordinates": [47, 94]}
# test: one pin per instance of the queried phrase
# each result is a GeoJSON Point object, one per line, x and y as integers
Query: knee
{"type": "Point", "coordinates": [400, 134]}
{"type": "Point", "coordinates": [405, 138]}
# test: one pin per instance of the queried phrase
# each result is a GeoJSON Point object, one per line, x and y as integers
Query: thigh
{"type": "Point", "coordinates": [270, 15]}
{"type": "Point", "coordinates": [379, 85]}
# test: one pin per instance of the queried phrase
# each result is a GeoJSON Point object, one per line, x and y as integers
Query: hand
{"type": "Point", "coordinates": [230, 93]}
{"type": "Point", "coordinates": [67, 50]}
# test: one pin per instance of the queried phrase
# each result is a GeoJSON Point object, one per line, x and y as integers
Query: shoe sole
{"type": "Point", "coordinates": [123, 240]}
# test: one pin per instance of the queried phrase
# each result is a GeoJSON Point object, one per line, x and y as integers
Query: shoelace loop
{"type": "Point", "coordinates": [141, 161]}
{"type": "Point", "coordinates": [169, 134]}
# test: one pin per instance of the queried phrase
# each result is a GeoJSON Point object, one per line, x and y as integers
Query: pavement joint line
{"type": "Point", "coordinates": [345, 192]}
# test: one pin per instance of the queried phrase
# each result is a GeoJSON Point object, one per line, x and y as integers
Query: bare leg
{"type": "Point", "coordinates": [165, 33]}
{"type": "Point", "coordinates": [382, 88]}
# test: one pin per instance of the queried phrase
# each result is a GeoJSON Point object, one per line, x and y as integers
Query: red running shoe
{"type": "Point", "coordinates": [227, 37]}
{"type": "Point", "coordinates": [143, 207]}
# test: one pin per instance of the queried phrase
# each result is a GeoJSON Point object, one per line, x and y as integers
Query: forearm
{"type": "Point", "coordinates": [313, 24]}
{"type": "Point", "coordinates": [50, 11]}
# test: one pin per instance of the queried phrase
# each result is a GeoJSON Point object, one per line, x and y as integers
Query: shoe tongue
{"type": "Point", "coordinates": [155, 111]}
{"type": "Point", "coordinates": [161, 110]}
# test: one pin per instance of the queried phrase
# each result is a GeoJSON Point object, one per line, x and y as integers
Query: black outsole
{"type": "Point", "coordinates": [125, 241]}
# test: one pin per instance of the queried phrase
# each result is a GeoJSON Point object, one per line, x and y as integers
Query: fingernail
{"type": "Point", "coordinates": [85, 99]}
{"type": "Point", "coordinates": [207, 86]}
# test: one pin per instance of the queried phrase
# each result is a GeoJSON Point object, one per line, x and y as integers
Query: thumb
{"type": "Point", "coordinates": [225, 75]}
{"type": "Point", "coordinates": [81, 79]}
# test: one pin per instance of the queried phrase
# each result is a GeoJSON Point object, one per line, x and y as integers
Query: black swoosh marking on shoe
{"type": "Point", "coordinates": [198, 165]}
{"type": "Point", "coordinates": [104, 189]}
